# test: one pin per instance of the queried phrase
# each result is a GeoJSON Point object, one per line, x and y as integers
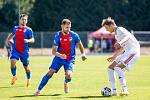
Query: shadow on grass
{"type": "Point", "coordinates": [88, 97]}
{"type": "Point", "coordinates": [3, 87]}
{"type": "Point", "coordinates": [34, 95]}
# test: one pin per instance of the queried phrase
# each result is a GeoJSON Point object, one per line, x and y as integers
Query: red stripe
{"type": "Point", "coordinates": [20, 40]}
{"type": "Point", "coordinates": [129, 58]}
{"type": "Point", "coordinates": [65, 45]}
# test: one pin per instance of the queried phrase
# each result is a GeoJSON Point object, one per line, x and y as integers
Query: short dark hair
{"type": "Point", "coordinates": [108, 21]}
{"type": "Point", "coordinates": [23, 15]}
{"type": "Point", "coordinates": [64, 21]}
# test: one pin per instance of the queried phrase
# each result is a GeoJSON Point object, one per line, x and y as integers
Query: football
{"type": "Point", "coordinates": [106, 91]}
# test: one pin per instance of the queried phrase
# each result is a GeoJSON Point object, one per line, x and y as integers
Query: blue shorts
{"type": "Point", "coordinates": [24, 58]}
{"type": "Point", "coordinates": [57, 63]}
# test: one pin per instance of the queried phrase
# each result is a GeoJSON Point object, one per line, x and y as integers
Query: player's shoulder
{"type": "Point", "coordinates": [28, 28]}
{"type": "Point", "coordinates": [73, 33]}
{"type": "Point", "coordinates": [58, 34]}
{"type": "Point", "coordinates": [15, 27]}
{"type": "Point", "coordinates": [120, 28]}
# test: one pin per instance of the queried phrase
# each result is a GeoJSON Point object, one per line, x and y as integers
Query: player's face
{"type": "Point", "coordinates": [109, 28]}
{"type": "Point", "coordinates": [24, 20]}
{"type": "Point", "coordinates": [66, 27]}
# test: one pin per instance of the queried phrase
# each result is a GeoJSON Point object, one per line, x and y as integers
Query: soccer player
{"type": "Point", "coordinates": [128, 51]}
{"type": "Point", "coordinates": [64, 51]}
{"type": "Point", "coordinates": [22, 35]}
{"type": "Point", "coordinates": [9, 47]}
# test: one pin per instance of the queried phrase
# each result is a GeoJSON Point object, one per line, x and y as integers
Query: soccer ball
{"type": "Point", "coordinates": [106, 91]}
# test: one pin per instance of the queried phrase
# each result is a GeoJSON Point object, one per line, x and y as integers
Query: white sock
{"type": "Point", "coordinates": [121, 75]}
{"type": "Point", "coordinates": [112, 79]}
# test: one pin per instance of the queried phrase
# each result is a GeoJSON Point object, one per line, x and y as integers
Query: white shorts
{"type": "Point", "coordinates": [128, 58]}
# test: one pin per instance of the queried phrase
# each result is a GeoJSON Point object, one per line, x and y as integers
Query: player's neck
{"type": "Point", "coordinates": [23, 25]}
{"type": "Point", "coordinates": [65, 33]}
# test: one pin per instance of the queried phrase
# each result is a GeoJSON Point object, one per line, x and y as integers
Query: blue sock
{"type": "Point", "coordinates": [13, 71]}
{"type": "Point", "coordinates": [28, 75]}
{"type": "Point", "coordinates": [44, 81]}
{"type": "Point", "coordinates": [67, 80]}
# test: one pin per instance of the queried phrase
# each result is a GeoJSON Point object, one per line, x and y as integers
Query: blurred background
{"type": "Point", "coordinates": [45, 17]}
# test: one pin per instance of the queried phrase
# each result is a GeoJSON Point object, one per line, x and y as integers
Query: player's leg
{"type": "Point", "coordinates": [28, 75]}
{"type": "Point", "coordinates": [119, 70]}
{"type": "Point", "coordinates": [13, 71]}
{"type": "Point", "coordinates": [44, 81]}
{"type": "Point", "coordinates": [13, 59]}
{"type": "Point", "coordinates": [68, 75]}
{"type": "Point", "coordinates": [25, 62]}
{"type": "Point", "coordinates": [112, 79]}
{"type": "Point", "coordinates": [127, 64]}
{"type": "Point", "coordinates": [54, 68]}
{"type": "Point", "coordinates": [122, 79]}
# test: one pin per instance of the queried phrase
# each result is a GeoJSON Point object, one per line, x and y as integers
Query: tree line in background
{"type": "Point", "coordinates": [86, 15]}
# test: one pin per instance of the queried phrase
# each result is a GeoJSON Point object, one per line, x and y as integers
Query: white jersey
{"type": "Point", "coordinates": [130, 45]}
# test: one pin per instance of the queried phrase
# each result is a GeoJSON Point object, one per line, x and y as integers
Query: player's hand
{"type": "Point", "coordinates": [63, 56]}
{"type": "Point", "coordinates": [111, 59]}
{"type": "Point", "coordinates": [84, 58]}
{"type": "Point", "coordinates": [117, 45]}
{"type": "Point", "coordinates": [25, 40]}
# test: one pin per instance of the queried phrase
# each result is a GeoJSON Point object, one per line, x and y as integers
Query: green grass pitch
{"type": "Point", "coordinates": [88, 79]}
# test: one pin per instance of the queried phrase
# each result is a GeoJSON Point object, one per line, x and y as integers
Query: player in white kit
{"type": "Point", "coordinates": [126, 54]}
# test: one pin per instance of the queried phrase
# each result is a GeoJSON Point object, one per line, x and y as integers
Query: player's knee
{"type": "Point", "coordinates": [27, 69]}
{"type": "Point", "coordinates": [51, 72]}
{"type": "Point", "coordinates": [121, 65]}
{"type": "Point", "coordinates": [67, 79]}
{"type": "Point", "coordinates": [111, 67]}
{"type": "Point", "coordinates": [13, 63]}
{"type": "Point", "coordinates": [68, 75]}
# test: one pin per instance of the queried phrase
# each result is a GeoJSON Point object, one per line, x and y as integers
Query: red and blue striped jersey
{"type": "Point", "coordinates": [21, 33]}
{"type": "Point", "coordinates": [66, 43]}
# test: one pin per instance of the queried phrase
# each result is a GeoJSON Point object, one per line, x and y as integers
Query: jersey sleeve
{"type": "Point", "coordinates": [30, 33]}
{"type": "Point", "coordinates": [56, 40]}
{"type": "Point", "coordinates": [123, 32]}
{"type": "Point", "coordinates": [14, 30]}
{"type": "Point", "coordinates": [77, 38]}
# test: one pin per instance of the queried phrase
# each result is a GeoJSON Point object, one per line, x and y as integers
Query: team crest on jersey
{"type": "Point", "coordinates": [70, 39]}
{"type": "Point", "coordinates": [65, 39]}
{"type": "Point", "coordinates": [22, 30]}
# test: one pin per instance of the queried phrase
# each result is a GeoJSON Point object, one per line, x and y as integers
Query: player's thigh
{"type": "Point", "coordinates": [56, 65]}
{"type": "Point", "coordinates": [14, 57]}
{"type": "Point", "coordinates": [13, 62]}
{"type": "Point", "coordinates": [130, 61]}
{"type": "Point", "coordinates": [69, 67]}
{"type": "Point", "coordinates": [25, 61]}
{"type": "Point", "coordinates": [122, 57]}
{"type": "Point", "coordinates": [112, 65]}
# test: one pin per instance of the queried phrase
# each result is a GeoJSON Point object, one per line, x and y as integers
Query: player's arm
{"type": "Point", "coordinates": [31, 40]}
{"type": "Point", "coordinates": [120, 43]}
{"type": "Point", "coordinates": [81, 48]}
{"type": "Point", "coordinates": [9, 37]}
{"type": "Point", "coordinates": [116, 54]}
{"type": "Point", "coordinates": [55, 53]}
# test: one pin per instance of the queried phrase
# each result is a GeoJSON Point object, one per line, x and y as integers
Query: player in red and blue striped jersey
{"type": "Point", "coordinates": [64, 51]}
{"type": "Point", "coordinates": [21, 35]}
